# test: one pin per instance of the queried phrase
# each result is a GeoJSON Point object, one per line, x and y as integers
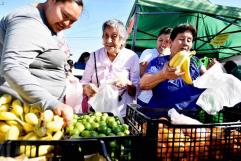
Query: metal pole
{"type": "Point", "coordinates": [136, 19]}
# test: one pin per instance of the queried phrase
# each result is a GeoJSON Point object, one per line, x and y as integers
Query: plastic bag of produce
{"type": "Point", "coordinates": [222, 90]}
{"type": "Point", "coordinates": [106, 99]}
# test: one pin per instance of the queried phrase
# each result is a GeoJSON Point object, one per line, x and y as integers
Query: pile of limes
{"type": "Point", "coordinates": [96, 124]}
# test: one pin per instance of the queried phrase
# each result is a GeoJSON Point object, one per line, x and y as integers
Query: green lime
{"type": "Point", "coordinates": [87, 126]}
{"type": "Point", "coordinates": [110, 119]}
{"type": "Point", "coordinates": [113, 144]}
{"type": "Point", "coordinates": [112, 124]}
{"type": "Point", "coordinates": [70, 128]}
{"type": "Point", "coordinates": [85, 133]}
{"type": "Point", "coordinates": [108, 131]}
{"type": "Point", "coordinates": [93, 134]}
{"type": "Point", "coordinates": [95, 125]}
{"type": "Point", "coordinates": [111, 134]}
{"type": "Point", "coordinates": [127, 132]}
{"type": "Point", "coordinates": [116, 129]}
{"type": "Point", "coordinates": [101, 135]}
{"type": "Point", "coordinates": [91, 119]}
{"type": "Point", "coordinates": [102, 123]}
{"type": "Point", "coordinates": [97, 118]}
{"type": "Point", "coordinates": [125, 126]}
{"type": "Point", "coordinates": [97, 114]}
{"type": "Point", "coordinates": [102, 129]}
{"type": "Point", "coordinates": [79, 126]}
{"type": "Point", "coordinates": [120, 134]}
{"type": "Point", "coordinates": [75, 132]}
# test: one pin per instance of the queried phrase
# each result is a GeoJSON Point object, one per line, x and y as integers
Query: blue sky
{"type": "Point", "coordinates": [85, 35]}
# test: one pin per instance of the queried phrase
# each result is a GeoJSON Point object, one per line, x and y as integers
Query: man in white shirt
{"type": "Point", "coordinates": [163, 48]}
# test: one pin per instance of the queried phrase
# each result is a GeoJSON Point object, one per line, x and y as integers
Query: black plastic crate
{"type": "Point", "coordinates": [209, 141]}
{"type": "Point", "coordinates": [125, 148]}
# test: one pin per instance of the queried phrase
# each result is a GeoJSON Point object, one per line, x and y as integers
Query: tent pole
{"type": "Point", "coordinates": [136, 20]}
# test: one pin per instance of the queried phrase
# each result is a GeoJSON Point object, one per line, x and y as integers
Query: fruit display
{"type": "Point", "coordinates": [181, 60]}
{"type": "Point", "coordinates": [20, 121]}
{"type": "Point", "coordinates": [96, 124]}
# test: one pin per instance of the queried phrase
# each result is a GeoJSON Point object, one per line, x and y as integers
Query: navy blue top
{"type": "Point", "coordinates": [79, 65]}
{"type": "Point", "coordinates": [173, 93]}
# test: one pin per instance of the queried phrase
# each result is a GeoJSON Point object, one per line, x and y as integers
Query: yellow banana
{"type": "Point", "coordinates": [186, 68]}
{"type": "Point", "coordinates": [58, 135]}
{"type": "Point", "coordinates": [179, 58]}
{"type": "Point", "coordinates": [35, 109]}
{"type": "Point", "coordinates": [31, 118]}
{"type": "Point", "coordinates": [17, 108]}
{"type": "Point", "coordinates": [12, 133]}
{"type": "Point", "coordinates": [26, 108]}
{"type": "Point", "coordinates": [30, 136]}
{"type": "Point", "coordinates": [54, 126]}
{"type": "Point", "coordinates": [15, 123]}
{"type": "Point", "coordinates": [4, 107]}
{"type": "Point", "coordinates": [47, 115]}
{"type": "Point", "coordinates": [4, 127]}
{"type": "Point", "coordinates": [2, 137]}
{"type": "Point", "coordinates": [5, 98]}
{"type": "Point", "coordinates": [8, 116]}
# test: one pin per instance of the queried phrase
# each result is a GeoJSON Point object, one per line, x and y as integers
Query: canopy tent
{"type": "Point", "coordinates": [219, 27]}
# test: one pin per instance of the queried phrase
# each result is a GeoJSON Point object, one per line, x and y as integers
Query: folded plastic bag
{"type": "Point", "coordinates": [177, 118]}
{"type": "Point", "coordinates": [222, 90]}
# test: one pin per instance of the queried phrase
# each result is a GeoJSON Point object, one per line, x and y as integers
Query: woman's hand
{"type": "Point", "coordinates": [171, 73]}
{"type": "Point", "coordinates": [65, 111]}
{"type": "Point", "coordinates": [122, 83]}
{"type": "Point", "coordinates": [89, 90]}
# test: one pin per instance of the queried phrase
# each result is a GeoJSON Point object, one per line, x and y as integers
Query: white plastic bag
{"type": "Point", "coordinates": [106, 99]}
{"type": "Point", "coordinates": [74, 94]}
{"type": "Point", "coordinates": [222, 90]}
{"type": "Point", "coordinates": [177, 118]}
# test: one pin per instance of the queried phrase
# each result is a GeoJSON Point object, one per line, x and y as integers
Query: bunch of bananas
{"type": "Point", "coordinates": [181, 60]}
{"type": "Point", "coordinates": [21, 121]}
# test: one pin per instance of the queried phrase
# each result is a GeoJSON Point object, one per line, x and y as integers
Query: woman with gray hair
{"type": "Point", "coordinates": [113, 62]}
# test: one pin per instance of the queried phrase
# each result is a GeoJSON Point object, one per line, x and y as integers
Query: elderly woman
{"type": "Point", "coordinates": [113, 62]}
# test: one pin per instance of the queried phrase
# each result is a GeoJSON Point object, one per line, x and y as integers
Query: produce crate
{"type": "Point", "coordinates": [209, 141]}
{"type": "Point", "coordinates": [116, 148]}
{"type": "Point", "coordinates": [125, 149]}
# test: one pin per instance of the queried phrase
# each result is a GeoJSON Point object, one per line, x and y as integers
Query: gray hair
{"type": "Point", "coordinates": [117, 24]}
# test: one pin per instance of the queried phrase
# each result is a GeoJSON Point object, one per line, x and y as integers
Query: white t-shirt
{"type": "Point", "coordinates": [148, 54]}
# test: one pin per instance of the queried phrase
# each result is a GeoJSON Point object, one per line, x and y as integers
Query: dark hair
{"type": "Point", "coordinates": [229, 66]}
{"type": "Point", "coordinates": [181, 29]}
{"type": "Point", "coordinates": [165, 30]}
{"type": "Point", "coordinates": [83, 56]}
{"type": "Point", "coordinates": [79, 2]}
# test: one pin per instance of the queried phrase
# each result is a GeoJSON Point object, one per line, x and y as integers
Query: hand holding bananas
{"type": "Point", "coordinates": [181, 62]}
{"type": "Point", "coordinates": [171, 72]}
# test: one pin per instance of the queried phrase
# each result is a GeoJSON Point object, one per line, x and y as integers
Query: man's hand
{"type": "Point", "coordinates": [65, 111]}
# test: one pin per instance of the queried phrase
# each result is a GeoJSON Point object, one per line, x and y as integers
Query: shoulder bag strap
{"type": "Point", "coordinates": [96, 71]}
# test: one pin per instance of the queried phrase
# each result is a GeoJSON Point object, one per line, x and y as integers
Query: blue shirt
{"type": "Point", "coordinates": [79, 65]}
{"type": "Point", "coordinates": [173, 93]}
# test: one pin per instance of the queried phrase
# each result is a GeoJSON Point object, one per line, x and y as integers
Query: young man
{"type": "Point", "coordinates": [162, 48]}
